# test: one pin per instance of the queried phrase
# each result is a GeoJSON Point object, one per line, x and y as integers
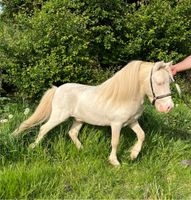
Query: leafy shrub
{"type": "Point", "coordinates": [49, 48]}
{"type": "Point", "coordinates": [76, 41]}
{"type": "Point", "coordinates": [159, 31]}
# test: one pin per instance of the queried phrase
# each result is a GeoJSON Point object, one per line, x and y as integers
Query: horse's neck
{"type": "Point", "coordinates": [144, 76]}
{"type": "Point", "coordinates": [124, 87]}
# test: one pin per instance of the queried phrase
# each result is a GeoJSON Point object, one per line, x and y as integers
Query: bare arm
{"type": "Point", "coordinates": [182, 66]}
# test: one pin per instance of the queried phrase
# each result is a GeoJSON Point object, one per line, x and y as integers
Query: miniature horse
{"type": "Point", "coordinates": [117, 102]}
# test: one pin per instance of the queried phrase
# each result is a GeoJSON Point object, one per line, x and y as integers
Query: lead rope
{"type": "Point", "coordinates": [183, 162]}
{"type": "Point", "coordinates": [185, 101]}
{"type": "Point", "coordinates": [179, 91]}
{"type": "Point", "coordinates": [176, 85]}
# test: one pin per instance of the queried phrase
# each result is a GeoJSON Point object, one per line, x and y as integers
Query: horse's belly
{"type": "Point", "coordinates": [98, 115]}
{"type": "Point", "coordinates": [90, 115]}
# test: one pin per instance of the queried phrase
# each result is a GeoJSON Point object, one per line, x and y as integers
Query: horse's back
{"type": "Point", "coordinates": [68, 95]}
{"type": "Point", "coordinates": [73, 88]}
{"type": "Point", "coordinates": [78, 101]}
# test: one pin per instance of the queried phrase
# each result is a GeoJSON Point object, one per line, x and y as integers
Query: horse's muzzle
{"type": "Point", "coordinates": [164, 107]}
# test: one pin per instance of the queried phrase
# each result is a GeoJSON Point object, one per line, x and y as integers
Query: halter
{"type": "Point", "coordinates": [153, 93]}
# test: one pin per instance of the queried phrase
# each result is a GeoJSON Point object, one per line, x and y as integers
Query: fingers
{"type": "Point", "coordinates": [173, 70]}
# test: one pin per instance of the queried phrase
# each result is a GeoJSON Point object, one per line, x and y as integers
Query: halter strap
{"type": "Point", "coordinates": [160, 97]}
{"type": "Point", "coordinates": [153, 93]}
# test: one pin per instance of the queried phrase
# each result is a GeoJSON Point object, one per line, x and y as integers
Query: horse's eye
{"type": "Point", "coordinates": [161, 83]}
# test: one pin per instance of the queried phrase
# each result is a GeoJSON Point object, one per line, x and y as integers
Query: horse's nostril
{"type": "Point", "coordinates": [169, 108]}
{"type": "Point", "coordinates": [164, 108]}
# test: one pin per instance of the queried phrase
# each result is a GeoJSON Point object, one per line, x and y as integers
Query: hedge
{"type": "Point", "coordinates": [78, 41]}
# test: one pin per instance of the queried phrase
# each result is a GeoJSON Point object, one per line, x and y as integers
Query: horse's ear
{"type": "Point", "coordinates": [169, 64]}
{"type": "Point", "coordinates": [168, 68]}
{"type": "Point", "coordinates": [159, 65]}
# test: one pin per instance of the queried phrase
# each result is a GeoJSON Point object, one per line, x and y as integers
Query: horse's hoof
{"type": "Point", "coordinates": [14, 134]}
{"type": "Point", "coordinates": [32, 146]}
{"type": "Point", "coordinates": [114, 162]}
{"type": "Point", "coordinates": [79, 147]}
{"type": "Point", "coordinates": [134, 155]}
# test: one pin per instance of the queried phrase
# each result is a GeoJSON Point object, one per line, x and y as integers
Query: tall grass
{"type": "Point", "coordinates": [56, 169]}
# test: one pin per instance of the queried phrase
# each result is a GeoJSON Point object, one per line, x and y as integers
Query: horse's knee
{"type": "Point", "coordinates": [72, 133]}
{"type": "Point", "coordinates": [142, 137]}
{"type": "Point", "coordinates": [42, 128]}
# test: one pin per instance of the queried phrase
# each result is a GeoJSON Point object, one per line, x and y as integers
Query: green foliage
{"type": "Point", "coordinates": [159, 31]}
{"type": "Point", "coordinates": [106, 28]}
{"type": "Point", "coordinates": [49, 48]}
{"type": "Point", "coordinates": [13, 7]}
{"type": "Point", "coordinates": [76, 41]}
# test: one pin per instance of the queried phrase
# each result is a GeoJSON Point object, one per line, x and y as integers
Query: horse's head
{"type": "Point", "coordinates": [158, 89]}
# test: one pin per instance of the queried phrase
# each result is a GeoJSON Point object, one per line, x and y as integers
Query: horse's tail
{"type": "Point", "coordinates": [41, 113]}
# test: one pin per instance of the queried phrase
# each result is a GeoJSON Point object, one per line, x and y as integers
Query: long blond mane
{"type": "Point", "coordinates": [124, 86]}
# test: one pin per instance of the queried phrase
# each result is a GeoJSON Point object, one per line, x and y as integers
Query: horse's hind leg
{"type": "Point", "coordinates": [57, 116]}
{"type": "Point", "coordinates": [141, 136]}
{"type": "Point", "coordinates": [73, 133]}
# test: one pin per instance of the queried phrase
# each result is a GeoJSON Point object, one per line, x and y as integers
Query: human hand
{"type": "Point", "coordinates": [173, 70]}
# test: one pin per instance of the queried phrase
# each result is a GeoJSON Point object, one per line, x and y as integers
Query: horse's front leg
{"type": "Point", "coordinates": [141, 137]}
{"type": "Point", "coordinates": [115, 129]}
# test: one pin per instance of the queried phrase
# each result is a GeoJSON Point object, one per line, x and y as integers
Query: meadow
{"type": "Point", "coordinates": [56, 169]}
{"type": "Point", "coordinates": [51, 42]}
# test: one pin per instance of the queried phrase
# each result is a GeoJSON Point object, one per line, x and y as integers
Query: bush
{"type": "Point", "coordinates": [76, 41]}
{"type": "Point", "coordinates": [159, 31]}
{"type": "Point", "coordinates": [49, 48]}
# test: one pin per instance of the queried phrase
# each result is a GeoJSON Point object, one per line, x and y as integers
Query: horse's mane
{"type": "Point", "coordinates": [124, 86]}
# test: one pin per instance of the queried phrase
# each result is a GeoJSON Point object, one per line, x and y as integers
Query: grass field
{"type": "Point", "coordinates": [56, 169]}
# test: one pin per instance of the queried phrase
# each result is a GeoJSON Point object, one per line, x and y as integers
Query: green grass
{"type": "Point", "coordinates": [56, 169]}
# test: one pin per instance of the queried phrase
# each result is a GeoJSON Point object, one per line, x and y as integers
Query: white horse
{"type": "Point", "coordinates": [117, 102]}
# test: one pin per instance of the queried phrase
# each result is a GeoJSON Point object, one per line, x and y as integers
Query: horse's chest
{"type": "Point", "coordinates": [133, 118]}
{"type": "Point", "coordinates": [130, 115]}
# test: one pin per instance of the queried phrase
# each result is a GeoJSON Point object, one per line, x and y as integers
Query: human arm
{"type": "Point", "coordinates": [181, 66]}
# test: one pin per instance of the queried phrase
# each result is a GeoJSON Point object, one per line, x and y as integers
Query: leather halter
{"type": "Point", "coordinates": [153, 93]}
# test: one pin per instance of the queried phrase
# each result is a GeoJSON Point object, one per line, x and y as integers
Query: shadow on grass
{"type": "Point", "coordinates": [150, 123]}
